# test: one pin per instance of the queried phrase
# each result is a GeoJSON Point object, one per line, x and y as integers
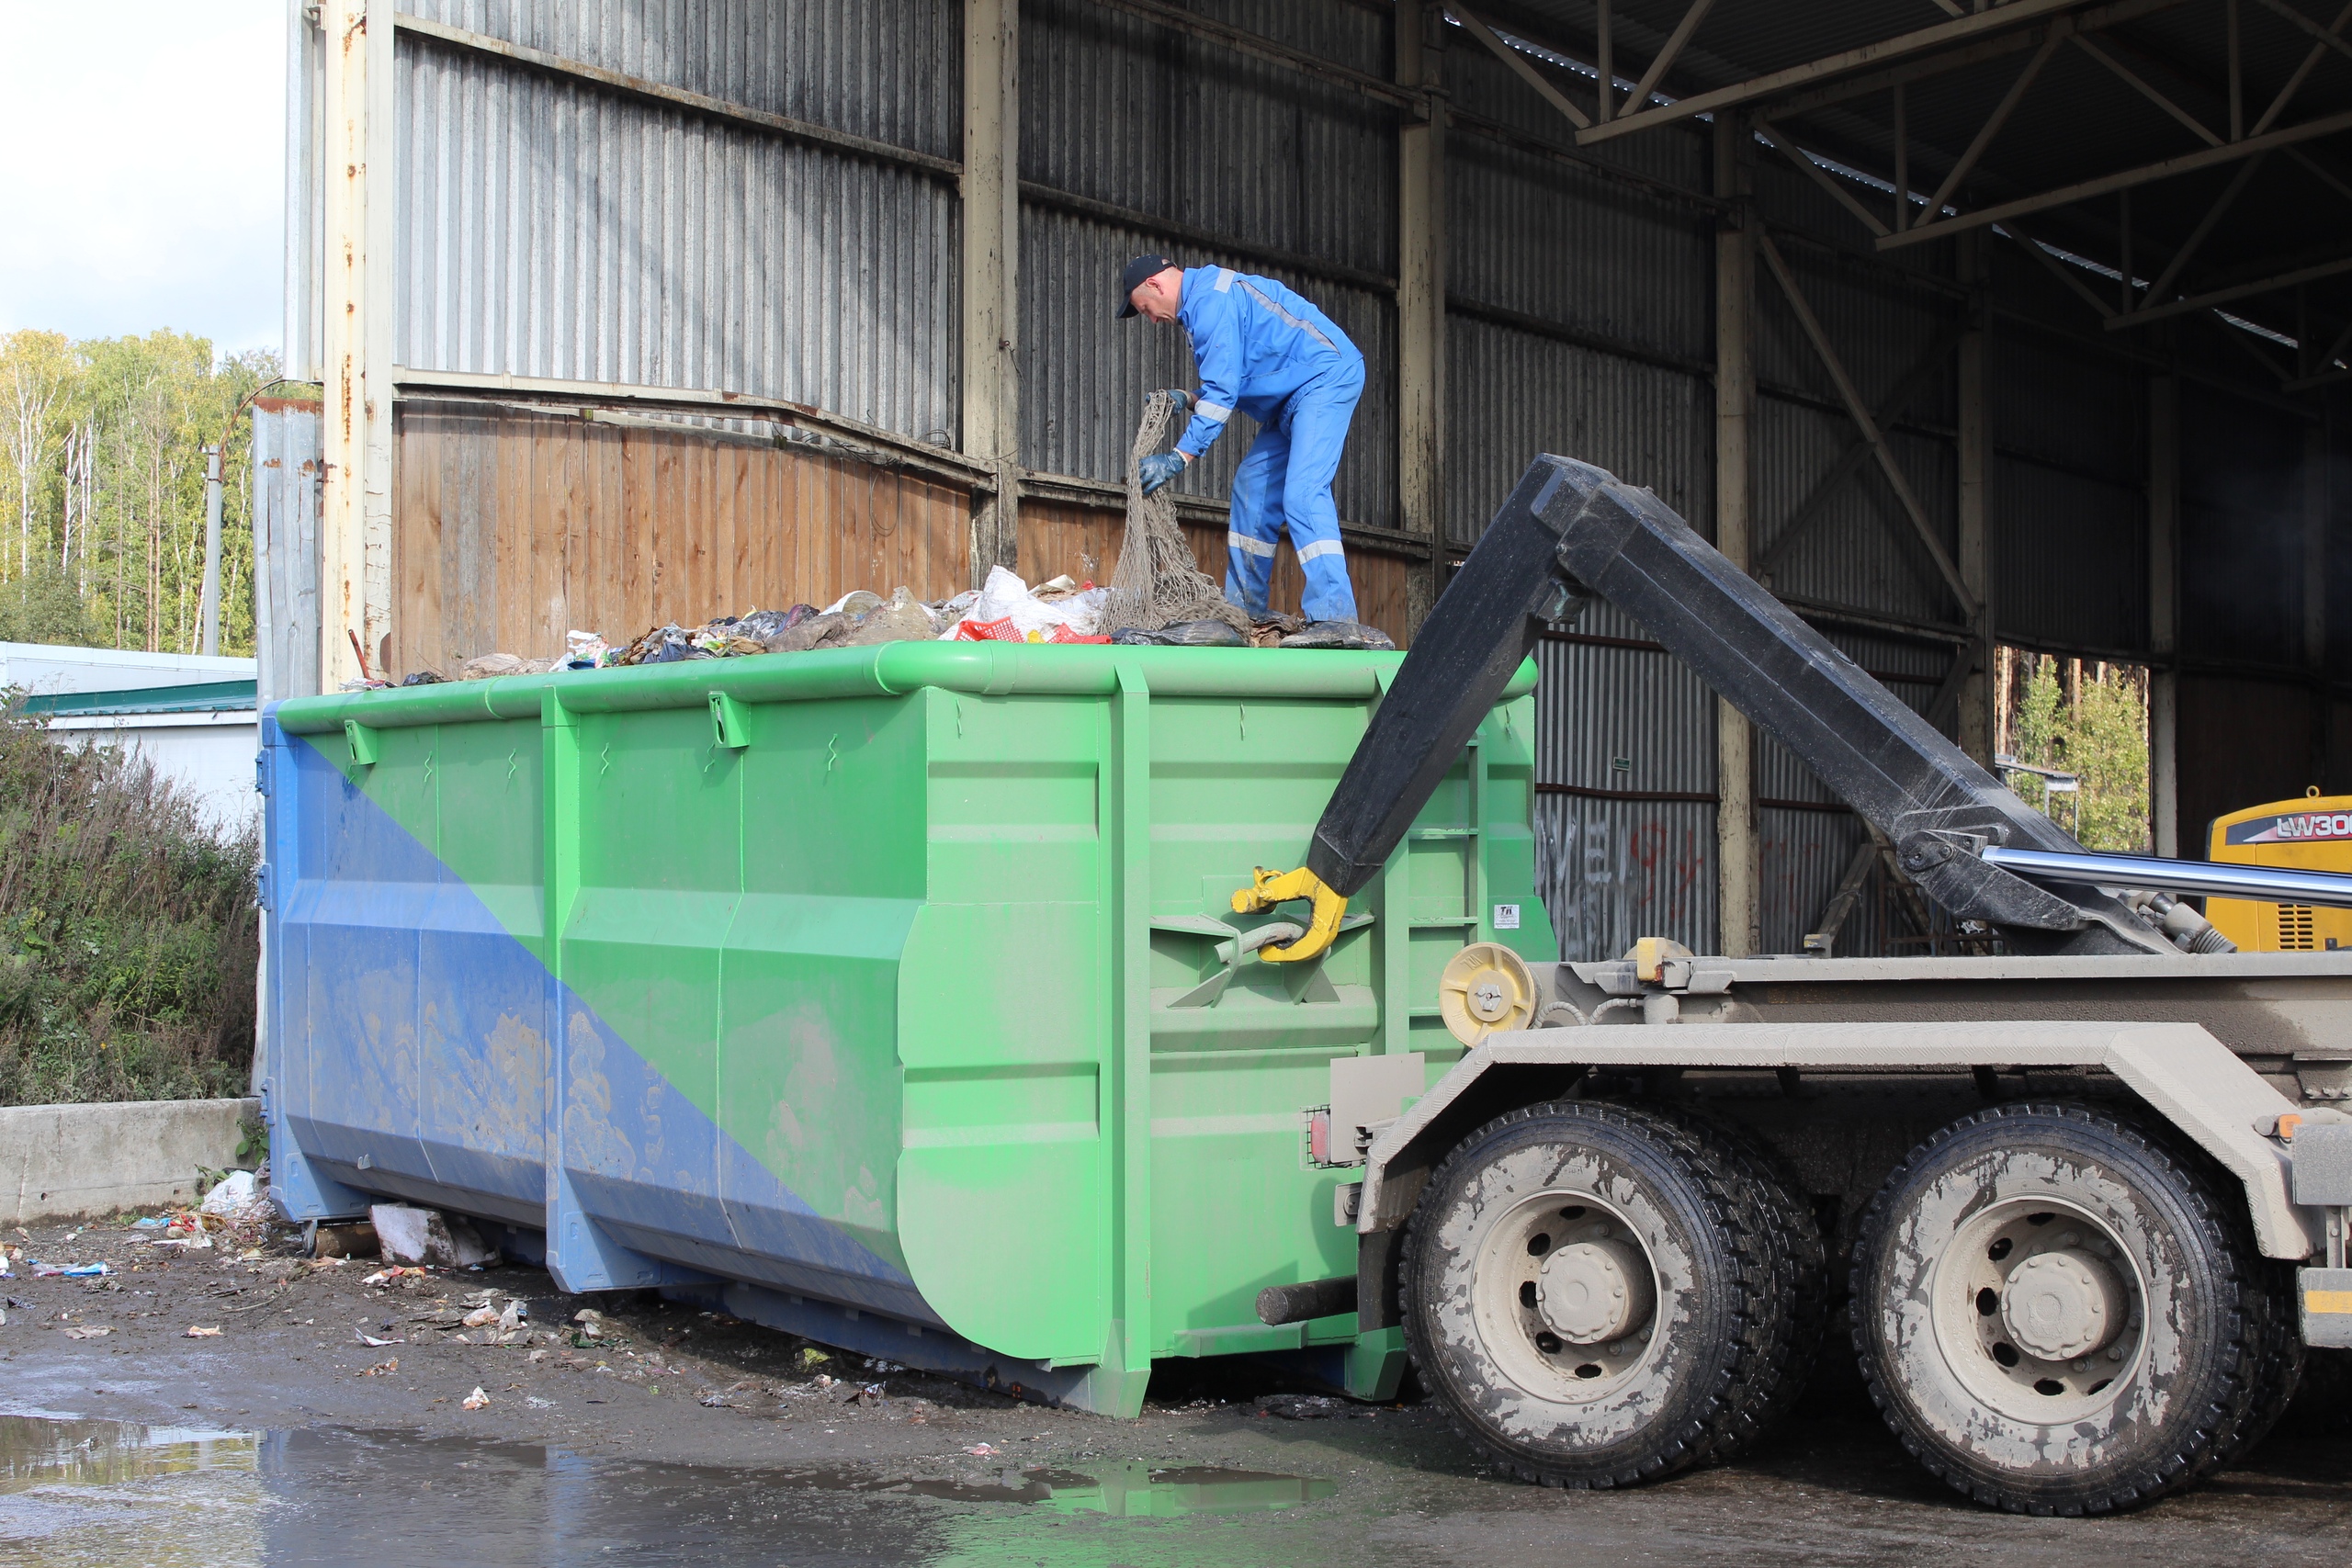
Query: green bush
{"type": "Point", "coordinates": [45, 607]}
{"type": "Point", "coordinates": [129, 941]}
{"type": "Point", "coordinates": [2101, 737]}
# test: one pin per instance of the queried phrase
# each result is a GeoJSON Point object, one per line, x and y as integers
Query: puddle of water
{"type": "Point", "coordinates": [77, 1492]}
{"type": "Point", "coordinates": [74, 1492]}
{"type": "Point", "coordinates": [1125, 1490]}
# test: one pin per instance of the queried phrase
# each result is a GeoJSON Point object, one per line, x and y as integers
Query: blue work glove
{"type": "Point", "coordinates": [1157, 469]}
{"type": "Point", "coordinates": [1181, 398]}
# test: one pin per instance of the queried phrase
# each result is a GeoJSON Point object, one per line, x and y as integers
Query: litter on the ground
{"type": "Point", "coordinates": [196, 1332]}
{"type": "Point", "coordinates": [41, 1270]}
{"type": "Point", "coordinates": [380, 1370]}
{"type": "Point", "coordinates": [476, 1400]}
{"type": "Point", "coordinates": [1311, 1407]}
{"type": "Point", "coordinates": [88, 1331]}
{"type": "Point", "coordinates": [150, 1222]}
{"type": "Point", "coordinates": [229, 1194]}
{"type": "Point", "coordinates": [387, 1276]}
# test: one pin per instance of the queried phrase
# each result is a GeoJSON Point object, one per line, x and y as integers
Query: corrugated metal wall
{"type": "Point", "coordinates": [1118, 110]}
{"type": "Point", "coordinates": [550, 227]}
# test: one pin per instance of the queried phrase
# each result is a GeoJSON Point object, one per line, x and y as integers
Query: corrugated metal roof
{"type": "Point", "coordinates": [207, 696]}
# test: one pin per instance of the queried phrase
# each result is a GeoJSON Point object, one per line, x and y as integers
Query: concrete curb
{"type": "Point", "coordinates": [71, 1162]}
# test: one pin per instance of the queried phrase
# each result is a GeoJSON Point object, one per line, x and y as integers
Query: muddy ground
{"type": "Point", "coordinates": [676, 1436]}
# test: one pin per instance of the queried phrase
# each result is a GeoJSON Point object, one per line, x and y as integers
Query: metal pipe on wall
{"type": "Point", "coordinates": [208, 614]}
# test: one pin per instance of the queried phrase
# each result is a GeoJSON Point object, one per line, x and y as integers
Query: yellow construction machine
{"type": "Point", "coordinates": [2310, 834]}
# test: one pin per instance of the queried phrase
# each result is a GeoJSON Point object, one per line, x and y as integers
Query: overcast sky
{"type": "Point", "coordinates": [142, 151]}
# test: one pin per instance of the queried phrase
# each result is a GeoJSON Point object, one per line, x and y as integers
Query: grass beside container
{"type": "Point", "coordinates": [129, 939]}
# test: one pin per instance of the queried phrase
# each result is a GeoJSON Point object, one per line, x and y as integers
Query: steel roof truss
{"type": "Point", "coordinates": [1523, 67]}
{"type": "Point", "coordinates": [1944, 46]}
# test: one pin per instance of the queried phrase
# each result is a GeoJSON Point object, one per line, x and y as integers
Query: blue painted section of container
{"type": "Point", "coordinates": [414, 1035]}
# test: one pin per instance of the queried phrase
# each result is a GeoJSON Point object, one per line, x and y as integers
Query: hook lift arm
{"type": "Point", "coordinates": [1570, 531]}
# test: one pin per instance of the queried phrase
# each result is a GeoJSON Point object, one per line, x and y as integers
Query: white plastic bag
{"type": "Point", "coordinates": [231, 1193]}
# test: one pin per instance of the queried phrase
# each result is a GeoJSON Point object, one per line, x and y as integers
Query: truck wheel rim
{"type": "Point", "coordinates": [2040, 1310]}
{"type": "Point", "coordinates": [1565, 1296]}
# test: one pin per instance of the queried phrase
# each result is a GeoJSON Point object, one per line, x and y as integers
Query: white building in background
{"type": "Point", "coordinates": [45, 670]}
{"type": "Point", "coordinates": [194, 717]}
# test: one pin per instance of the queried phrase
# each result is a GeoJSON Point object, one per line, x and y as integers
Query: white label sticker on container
{"type": "Point", "coordinates": [1506, 916]}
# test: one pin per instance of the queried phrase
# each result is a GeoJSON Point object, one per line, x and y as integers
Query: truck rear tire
{"type": "Point", "coordinates": [2059, 1312]}
{"type": "Point", "coordinates": [1600, 1295]}
{"type": "Point", "coordinates": [1774, 1381]}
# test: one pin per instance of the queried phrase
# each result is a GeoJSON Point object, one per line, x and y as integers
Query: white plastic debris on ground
{"type": "Point", "coordinates": [1056, 604]}
{"type": "Point", "coordinates": [231, 1193]}
{"type": "Point", "coordinates": [425, 1236]}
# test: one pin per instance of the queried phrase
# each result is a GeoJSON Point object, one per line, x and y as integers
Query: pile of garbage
{"type": "Point", "coordinates": [1004, 609]}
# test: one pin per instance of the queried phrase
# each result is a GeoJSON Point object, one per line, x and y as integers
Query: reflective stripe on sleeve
{"type": "Point", "coordinates": [1225, 276]}
{"type": "Point", "coordinates": [1248, 545]}
{"type": "Point", "coordinates": [1317, 550]}
{"type": "Point", "coordinates": [1207, 409]}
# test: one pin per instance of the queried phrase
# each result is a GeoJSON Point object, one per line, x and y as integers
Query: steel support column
{"type": "Point", "coordinates": [991, 248]}
{"type": "Point", "coordinates": [355, 505]}
{"type": "Point", "coordinates": [1736, 860]}
{"type": "Point", "coordinates": [1975, 462]}
{"type": "Point", "coordinates": [2164, 614]}
{"type": "Point", "coordinates": [1420, 304]}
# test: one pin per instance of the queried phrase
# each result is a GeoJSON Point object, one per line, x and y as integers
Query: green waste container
{"type": "Point", "coordinates": [889, 995]}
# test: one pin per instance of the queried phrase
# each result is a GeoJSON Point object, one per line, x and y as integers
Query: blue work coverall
{"type": "Point", "coordinates": [1263, 350]}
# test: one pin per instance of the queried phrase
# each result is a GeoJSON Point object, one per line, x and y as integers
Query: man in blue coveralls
{"type": "Point", "coordinates": [1263, 350]}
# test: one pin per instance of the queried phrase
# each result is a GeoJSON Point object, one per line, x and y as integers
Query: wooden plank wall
{"type": "Point", "coordinates": [1057, 536]}
{"type": "Point", "coordinates": [512, 527]}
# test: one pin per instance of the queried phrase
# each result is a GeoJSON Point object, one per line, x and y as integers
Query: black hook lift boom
{"type": "Point", "coordinates": [1571, 530]}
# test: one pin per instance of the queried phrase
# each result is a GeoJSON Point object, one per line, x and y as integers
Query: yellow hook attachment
{"type": "Point", "coordinates": [1272, 887]}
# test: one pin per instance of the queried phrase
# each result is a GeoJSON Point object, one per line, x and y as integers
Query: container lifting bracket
{"type": "Point", "coordinates": [1269, 888]}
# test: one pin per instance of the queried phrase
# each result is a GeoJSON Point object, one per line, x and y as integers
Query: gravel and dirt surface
{"type": "Point", "coordinates": [674, 1435]}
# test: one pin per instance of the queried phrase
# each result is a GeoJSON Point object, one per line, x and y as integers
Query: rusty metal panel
{"type": "Point", "coordinates": [287, 466]}
{"type": "Point", "coordinates": [550, 227]}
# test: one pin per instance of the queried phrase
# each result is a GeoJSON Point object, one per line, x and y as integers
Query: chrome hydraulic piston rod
{"type": "Point", "coordinates": [2276, 883]}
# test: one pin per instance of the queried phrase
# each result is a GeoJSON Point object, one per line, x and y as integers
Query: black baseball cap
{"type": "Point", "coordinates": [1137, 270]}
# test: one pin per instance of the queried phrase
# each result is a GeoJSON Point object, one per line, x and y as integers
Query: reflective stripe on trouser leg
{"type": "Point", "coordinates": [1318, 432]}
{"type": "Point", "coordinates": [1256, 520]}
